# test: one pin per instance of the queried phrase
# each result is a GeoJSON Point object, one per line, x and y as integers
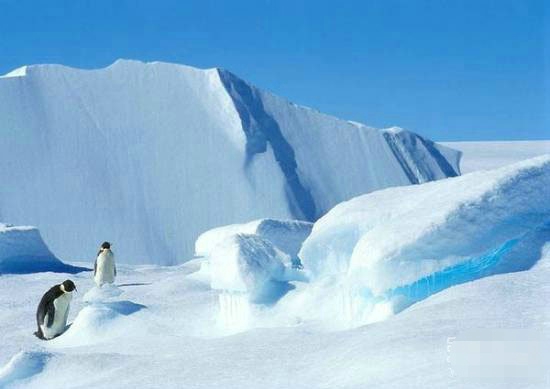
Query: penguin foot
{"type": "Point", "coordinates": [39, 335]}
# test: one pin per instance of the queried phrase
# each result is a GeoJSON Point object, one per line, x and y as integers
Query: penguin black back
{"type": "Point", "coordinates": [46, 305]}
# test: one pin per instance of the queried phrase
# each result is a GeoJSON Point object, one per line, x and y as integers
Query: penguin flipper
{"type": "Point", "coordinates": [50, 309]}
{"type": "Point", "coordinates": [95, 267]}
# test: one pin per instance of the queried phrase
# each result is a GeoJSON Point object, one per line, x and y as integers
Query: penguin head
{"type": "Point", "coordinates": [105, 245]}
{"type": "Point", "coordinates": [68, 286]}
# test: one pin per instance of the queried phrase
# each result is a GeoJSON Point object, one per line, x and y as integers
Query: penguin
{"type": "Point", "coordinates": [53, 310]}
{"type": "Point", "coordinates": [104, 266]}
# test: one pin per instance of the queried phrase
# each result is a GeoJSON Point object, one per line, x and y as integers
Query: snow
{"type": "Point", "coordinates": [244, 263]}
{"type": "Point", "coordinates": [173, 327]}
{"type": "Point", "coordinates": [22, 250]}
{"type": "Point", "coordinates": [286, 235]}
{"type": "Point", "coordinates": [494, 154]}
{"type": "Point", "coordinates": [19, 72]}
{"type": "Point", "coordinates": [405, 242]}
{"type": "Point", "coordinates": [174, 341]}
{"type": "Point", "coordinates": [248, 264]}
{"type": "Point", "coordinates": [150, 155]}
{"type": "Point", "coordinates": [23, 365]}
{"type": "Point", "coordinates": [97, 294]}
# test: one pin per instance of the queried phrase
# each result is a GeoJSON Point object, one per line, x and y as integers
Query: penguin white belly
{"type": "Point", "coordinates": [61, 305]}
{"type": "Point", "coordinates": [105, 271]}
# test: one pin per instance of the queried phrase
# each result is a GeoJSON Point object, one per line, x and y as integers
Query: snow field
{"type": "Point", "coordinates": [166, 345]}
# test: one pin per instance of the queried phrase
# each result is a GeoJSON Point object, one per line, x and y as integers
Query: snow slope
{"type": "Point", "coordinates": [150, 155]}
{"type": "Point", "coordinates": [22, 250]}
{"type": "Point", "coordinates": [494, 154]}
{"type": "Point", "coordinates": [410, 242]}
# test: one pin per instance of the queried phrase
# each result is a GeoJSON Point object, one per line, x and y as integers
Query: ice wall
{"type": "Point", "coordinates": [150, 155]}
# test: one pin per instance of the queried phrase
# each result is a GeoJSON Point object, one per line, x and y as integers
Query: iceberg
{"type": "Point", "coordinates": [150, 155]}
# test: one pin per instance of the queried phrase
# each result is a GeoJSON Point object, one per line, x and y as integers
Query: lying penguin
{"type": "Point", "coordinates": [104, 266]}
{"type": "Point", "coordinates": [53, 310]}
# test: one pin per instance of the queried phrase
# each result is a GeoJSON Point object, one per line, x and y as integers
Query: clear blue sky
{"type": "Point", "coordinates": [450, 70]}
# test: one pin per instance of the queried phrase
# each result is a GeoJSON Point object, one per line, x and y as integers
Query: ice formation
{"type": "Point", "coordinates": [22, 250]}
{"type": "Point", "coordinates": [413, 241]}
{"type": "Point", "coordinates": [150, 155]}
{"type": "Point", "coordinates": [285, 235]}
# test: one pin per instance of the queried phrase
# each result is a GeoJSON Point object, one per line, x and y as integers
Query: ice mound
{"type": "Point", "coordinates": [22, 250]}
{"type": "Point", "coordinates": [412, 241]}
{"type": "Point", "coordinates": [23, 365]}
{"type": "Point", "coordinates": [248, 264]}
{"type": "Point", "coordinates": [248, 272]}
{"type": "Point", "coordinates": [286, 235]}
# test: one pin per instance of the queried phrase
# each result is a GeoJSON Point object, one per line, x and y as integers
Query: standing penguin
{"type": "Point", "coordinates": [104, 266]}
{"type": "Point", "coordinates": [53, 310]}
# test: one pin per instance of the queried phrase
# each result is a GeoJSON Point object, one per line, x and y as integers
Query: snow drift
{"type": "Point", "coordinates": [413, 241]}
{"type": "Point", "coordinates": [22, 250]}
{"type": "Point", "coordinates": [149, 156]}
{"type": "Point", "coordinates": [23, 365]}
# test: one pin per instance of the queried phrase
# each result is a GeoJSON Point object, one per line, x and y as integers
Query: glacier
{"type": "Point", "coordinates": [151, 155]}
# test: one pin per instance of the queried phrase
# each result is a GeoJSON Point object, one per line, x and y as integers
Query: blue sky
{"type": "Point", "coordinates": [450, 70]}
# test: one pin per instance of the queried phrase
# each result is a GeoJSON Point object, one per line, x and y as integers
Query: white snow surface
{"type": "Point", "coordinates": [488, 155]}
{"type": "Point", "coordinates": [395, 237]}
{"type": "Point", "coordinates": [245, 263]}
{"type": "Point", "coordinates": [286, 235]}
{"type": "Point", "coordinates": [162, 331]}
{"type": "Point", "coordinates": [19, 72]}
{"type": "Point", "coordinates": [22, 250]}
{"type": "Point", "coordinates": [150, 155]}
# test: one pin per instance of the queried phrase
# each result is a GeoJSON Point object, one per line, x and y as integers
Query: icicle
{"type": "Point", "coordinates": [234, 312]}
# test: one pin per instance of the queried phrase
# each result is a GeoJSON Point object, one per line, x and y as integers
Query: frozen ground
{"type": "Point", "coordinates": [163, 331]}
{"type": "Point", "coordinates": [494, 154]}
